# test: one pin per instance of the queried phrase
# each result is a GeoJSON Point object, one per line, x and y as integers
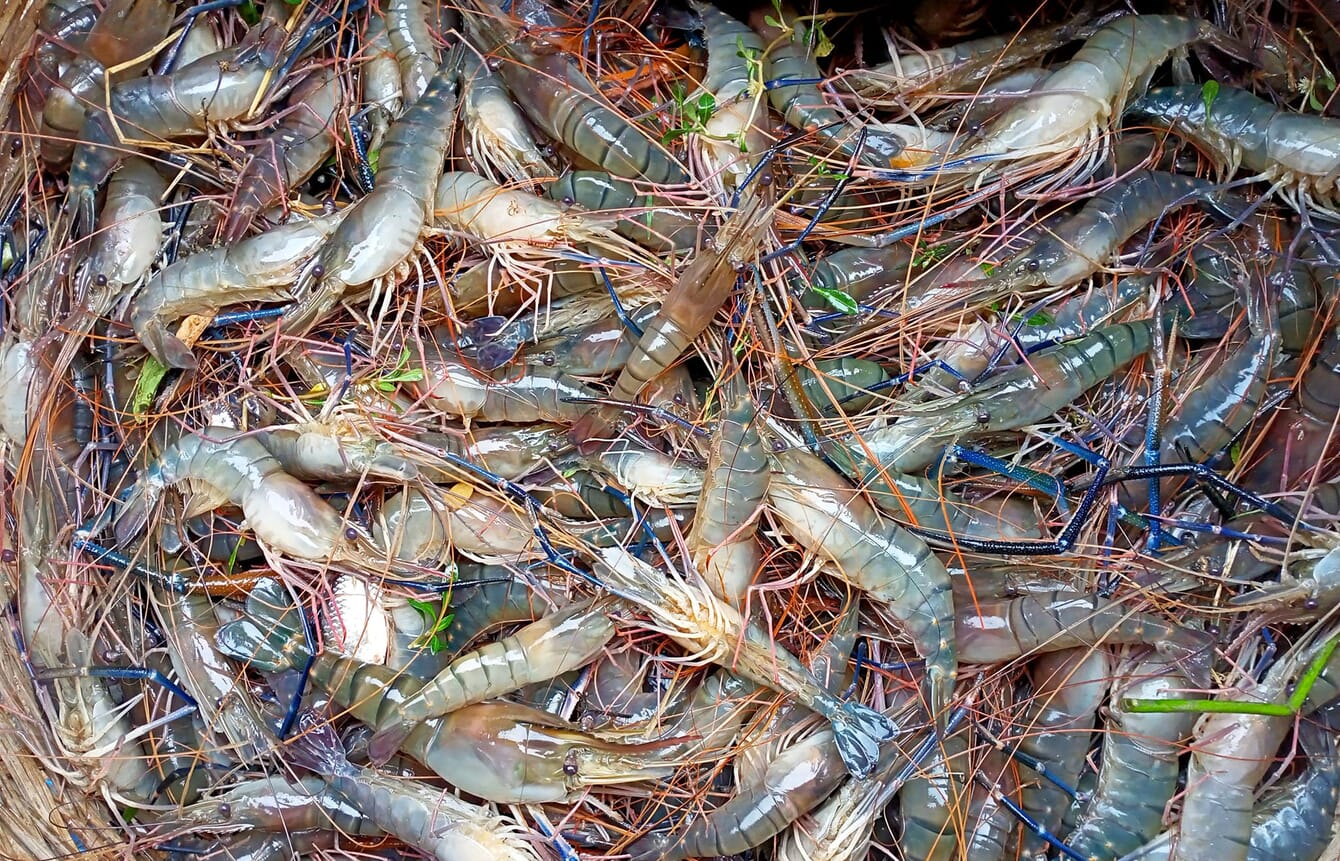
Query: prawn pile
{"type": "Point", "coordinates": [658, 430]}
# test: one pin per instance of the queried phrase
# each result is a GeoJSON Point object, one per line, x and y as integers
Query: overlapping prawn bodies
{"type": "Point", "coordinates": [259, 269]}
{"type": "Point", "coordinates": [286, 514]}
{"type": "Point", "coordinates": [1073, 106]}
{"type": "Point", "coordinates": [1298, 151]}
{"type": "Point", "coordinates": [890, 564]}
{"type": "Point", "coordinates": [381, 230]}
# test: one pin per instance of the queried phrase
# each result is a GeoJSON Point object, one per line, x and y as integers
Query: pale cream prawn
{"type": "Point", "coordinates": [379, 78]}
{"type": "Point", "coordinates": [709, 629]}
{"type": "Point", "coordinates": [1073, 106]}
{"type": "Point", "coordinates": [415, 526]}
{"type": "Point", "coordinates": [258, 269]}
{"type": "Point", "coordinates": [129, 234]}
{"type": "Point", "coordinates": [732, 137]}
{"type": "Point", "coordinates": [500, 142]}
{"type": "Point", "coordinates": [225, 467]}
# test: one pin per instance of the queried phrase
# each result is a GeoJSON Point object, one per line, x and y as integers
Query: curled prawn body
{"type": "Point", "coordinates": [891, 565]}
{"type": "Point", "coordinates": [259, 269]}
{"type": "Point", "coordinates": [647, 474]}
{"type": "Point", "coordinates": [499, 138]}
{"type": "Point", "coordinates": [414, 527]}
{"type": "Point", "coordinates": [284, 512]}
{"type": "Point", "coordinates": [731, 137]}
{"type": "Point", "coordinates": [1280, 146]}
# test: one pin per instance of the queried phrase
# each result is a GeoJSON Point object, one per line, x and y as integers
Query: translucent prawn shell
{"type": "Point", "coordinates": [357, 622]}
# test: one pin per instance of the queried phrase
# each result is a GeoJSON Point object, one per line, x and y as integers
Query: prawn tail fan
{"type": "Point", "coordinates": [269, 638]}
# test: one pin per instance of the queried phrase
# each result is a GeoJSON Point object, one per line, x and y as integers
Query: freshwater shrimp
{"type": "Point", "coordinates": [1282, 147]}
{"type": "Point", "coordinates": [511, 451]}
{"type": "Point", "coordinates": [415, 527]}
{"type": "Point", "coordinates": [537, 394]}
{"type": "Point", "coordinates": [658, 478]}
{"type": "Point", "coordinates": [710, 629]}
{"type": "Point", "coordinates": [1222, 404]}
{"type": "Point", "coordinates": [1293, 822]}
{"type": "Point", "coordinates": [382, 229]}
{"type": "Point", "coordinates": [510, 219]}
{"type": "Point", "coordinates": [130, 228]}
{"type": "Point", "coordinates": [690, 306]}
{"type": "Point", "coordinates": [652, 222]}
{"type": "Point", "coordinates": [189, 625]}
{"type": "Point", "coordinates": [841, 384]}
{"type": "Point", "coordinates": [1072, 107]}
{"type": "Point", "coordinates": [1068, 687]}
{"type": "Point", "coordinates": [822, 512]}
{"type": "Point", "coordinates": [731, 138]}
{"type": "Point", "coordinates": [288, 156]}
{"type": "Point", "coordinates": [1007, 629]}
{"type": "Point", "coordinates": [344, 451]}
{"type": "Point", "coordinates": [217, 88]}
{"type": "Point", "coordinates": [1300, 594]}
{"type": "Point", "coordinates": [124, 31]}
{"type": "Point", "coordinates": [225, 467]}
{"type": "Point", "coordinates": [432, 821]}
{"type": "Point", "coordinates": [260, 268]}
{"type": "Point", "coordinates": [595, 350]}
{"type": "Point", "coordinates": [1086, 241]}
{"type": "Point", "coordinates": [278, 804]}
{"type": "Point", "coordinates": [1299, 445]}
{"type": "Point", "coordinates": [858, 272]}
{"type": "Point", "coordinates": [415, 51]}
{"type": "Point", "coordinates": [932, 798]}
{"type": "Point", "coordinates": [565, 640]}
{"type": "Point", "coordinates": [790, 56]}
{"type": "Point", "coordinates": [910, 81]}
{"type": "Point", "coordinates": [558, 98]}
{"type": "Point", "coordinates": [722, 543]}
{"type": "Point", "coordinates": [1230, 753]}
{"type": "Point", "coordinates": [500, 142]}
{"type": "Point", "coordinates": [1139, 770]}
{"type": "Point", "coordinates": [379, 78]}
{"type": "Point", "coordinates": [1016, 398]}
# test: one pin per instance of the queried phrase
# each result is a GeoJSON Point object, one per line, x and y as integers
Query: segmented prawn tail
{"type": "Point", "coordinates": [316, 747]}
{"type": "Point", "coordinates": [269, 637]}
{"type": "Point", "coordinates": [858, 731]}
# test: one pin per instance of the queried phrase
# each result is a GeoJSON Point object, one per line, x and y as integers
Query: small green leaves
{"type": "Point", "coordinates": [402, 373]}
{"type": "Point", "coordinates": [249, 12]}
{"type": "Point", "coordinates": [988, 268]}
{"type": "Point", "coordinates": [929, 255]}
{"type": "Point", "coordinates": [437, 620]}
{"type": "Point", "coordinates": [374, 159]}
{"type": "Point", "coordinates": [823, 46]}
{"type": "Point", "coordinates": [838, 299]}
{"type": "Point", "coordinates": [693, 112]}
{"type": "Point", "coordinates": [1208, 93]}
{"type": "Point", "coordinates": [825, 171]}
{"type": "Point", "coordinates": [1328, 83]}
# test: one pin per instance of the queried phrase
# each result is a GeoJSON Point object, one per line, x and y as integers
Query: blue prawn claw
{"type": "Point", "coordinates": [858, 730]}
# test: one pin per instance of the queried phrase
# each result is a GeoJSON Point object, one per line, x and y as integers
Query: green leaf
{"type": "Point", "coordinates": [374, 159]}
{"type": "Point", "coordinates": [444, 623]}
{"type": "Point", "coordinates": [823, 45]}
{"type": "Point", "coordinates": [151, 376]}
{"type": "Point", "coordinates": [707, 103]}
{"type": "Point", "coordinates": [930, 254]}
{"type": "Point", "coordinates": [428, 609]}
{"type": "Point", "coordinates": [1208, 93]}
{"type": "Point", "coordinates": [1313, 102]}
{"type": "Point", "coordinates": [989, 269]}
{"type": "Point", "coordinates": [249, 12]}
{"type": "Point", "coordinates": [1235, 452]}
{"type": "Point", "coordinates": [838, 299]}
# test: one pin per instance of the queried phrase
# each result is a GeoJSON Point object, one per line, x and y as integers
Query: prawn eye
{"type": "Point", "coordinates": [765, 179]}
{"type": "Point", "coordinates": [100, 280]}
{"type": "Point", "coordinates": [983, 417]}
{"type": "Point", "coordinates": [225, 810]}
{"type": "Point", "coordinates": [568, 200]}
{"type": "Point", "coordinates": [1311, 604]}
{"type": "Point", "coordinates": [7, 555]}
{"type": "Point", "coordinates": [570, 764]}
{"type": "Point", "coordinates": [351, 534]}
{"type": "Point", "coordinates": [1033, 265]}
{"type": "Point", "coordinates": [318, 271]}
